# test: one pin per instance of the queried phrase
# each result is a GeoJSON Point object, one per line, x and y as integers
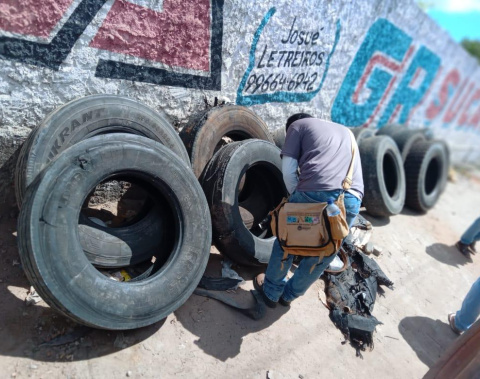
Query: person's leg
{"type": "Point", "coordinates": [276, 274]}
{"type": "Point", "coordinates": [304, 276]}
{"type": "Point", "coordinates": [352, 207]}
{"type": "Point", "coordinates": [472, 234]}
{"type": "Point", "coordinates": [470, 310]}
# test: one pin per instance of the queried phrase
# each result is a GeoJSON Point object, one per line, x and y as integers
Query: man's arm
{"type": "Point", "coordinates": [289, 171]}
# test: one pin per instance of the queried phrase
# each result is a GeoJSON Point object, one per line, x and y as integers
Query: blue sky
{"type": "Point", "coordinates": [461, 18]}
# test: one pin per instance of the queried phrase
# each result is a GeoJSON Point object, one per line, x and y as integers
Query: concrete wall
{"type": "Point", "coordinates": [357, 63]}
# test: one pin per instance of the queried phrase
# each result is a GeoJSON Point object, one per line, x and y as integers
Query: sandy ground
{"type": "Point", "coordinates": [204, 338]}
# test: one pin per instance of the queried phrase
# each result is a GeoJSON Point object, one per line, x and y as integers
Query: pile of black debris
{"type": "Point", "coordinates": [351, 297]}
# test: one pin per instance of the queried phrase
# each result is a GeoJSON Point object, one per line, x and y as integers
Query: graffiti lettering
{"type": "Point", "coordinates": [388, 46]}
{"type": "Point", "coordinates": [172, 28]}
{"type": "Point", "coordinates": [302, 36]}
{"type": "Point", "coordinates": [292, 71]}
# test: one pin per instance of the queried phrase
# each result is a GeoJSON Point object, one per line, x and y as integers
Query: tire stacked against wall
{"type": "Point", "coordinates": [122, 271]}
{"type": "Point", "coordinates": [161, 251]}
{"type": "Point", "coordinates": [401, 167]}
{"type": "Point", "coordinates": [239, 167]}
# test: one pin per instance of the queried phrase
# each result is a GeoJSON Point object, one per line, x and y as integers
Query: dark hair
{"type": "Point", "coordinates": [295, 117]}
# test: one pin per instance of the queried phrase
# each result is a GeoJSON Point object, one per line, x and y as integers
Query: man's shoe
{"type": "Point", "coordinates": [472, 248]}
{"type": "Point", "coordinates": [284, 302]}
{"type": "Point", "coordinates": [451, 322]}
{"type": "Point", "coordinates": [258, 285]}
{"type": "Point", "coordinates": [464, 249]}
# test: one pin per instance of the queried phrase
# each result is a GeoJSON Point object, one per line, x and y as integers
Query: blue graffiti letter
{"type": "Point", "coordinates": [382, 37]}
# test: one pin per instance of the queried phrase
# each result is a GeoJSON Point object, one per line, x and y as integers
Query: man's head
{"type": "Point", "coordinates": [295, 117]}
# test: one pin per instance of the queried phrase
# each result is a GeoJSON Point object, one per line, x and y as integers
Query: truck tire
{"type": "Point", "coordinates": [51, 252]}
{"type": "Point", "coordinates": [362, 133]}
{"type": "Point", "coordinates": [207, 132]}
{"type": "Point", "coordinates": [119, 247]}
{"type": "Point", "coordinates": [383, 176]}
{"type": "Point", "coordinates": [84, 118]}
{"type": "Point", "coordinates": [263, 190]}
{"type": "Point", "coordinates": [426, 172]}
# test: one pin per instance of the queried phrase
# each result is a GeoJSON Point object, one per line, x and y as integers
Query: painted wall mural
{"type": "Point", "coordinates": [372, 64]}
{"type": "Point", "coordinates": [291, 69]}
{"type": "Point", "coordinates": [186, 34]}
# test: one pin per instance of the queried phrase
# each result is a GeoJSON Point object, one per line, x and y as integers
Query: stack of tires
{"type": "Point", "coordinates": [401, 167]}
{"type": "Point", "coordinates": [223, 164]}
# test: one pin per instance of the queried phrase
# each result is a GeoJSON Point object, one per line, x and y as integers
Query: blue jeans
{"type": "Point", "coordinates": [470, 310]}
{"type": "Point", "coordinates": [276, 283]}
{"type": "Point", "coordinates": [472, 234]}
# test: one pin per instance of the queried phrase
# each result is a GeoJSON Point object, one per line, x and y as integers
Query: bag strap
{"type": "Point", "coordinates": [347, 182]}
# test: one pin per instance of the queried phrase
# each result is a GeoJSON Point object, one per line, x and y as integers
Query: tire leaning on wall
{"type": "Point", "coordinates": [51, 252]}
{"type": "Point", "coordinates": [383, 176]}
{"type": "Point", "coordinates": [84, 118]}
{"type": "Point", "coordinates": [361, 133]}
{"type": "Point", "coordinates": [259, 163]}
{"type": "Point", "coordinates": [426, 170]}
{"type": "Point", "coordinates": [209, 131]}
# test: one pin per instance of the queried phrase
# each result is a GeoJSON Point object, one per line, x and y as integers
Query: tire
{"type": "Point", "coordinates": [120, 247]}
{"type": "Point", "coordinates": [405, 139]}
{"type": "Point", "coordinates": [263, 190]}
{"type": "Point", "coordinates": [426, 172]}
{"type": "Point", "coordinates": [383, 176]}
{"type": "Point", "coordinates": [102, 114]}
{"type": "Point", "coordinates": [51, 252]}
{"type": "Point", "coordinates": [84, 118]}
{"type": "Point", "coordinates": [207, 132]}
{"type": "Point", "coordinates": [362, 133]}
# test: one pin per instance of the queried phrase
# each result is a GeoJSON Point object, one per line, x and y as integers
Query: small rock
{"type": "Point", "coordinates": [368, 248]}
{"type": "Point", "coordinates": [300, 376]}
{"type": "Point", "coordinates": [33, 367]}
{"type": "Point", "coordinates": [14, 375]}
{"type": "Point", "coordinates": [129, 373]}
{"type": "Point", "coordinates": [269, 374]}
{"type": "Point", "coordinates": [377, 251]}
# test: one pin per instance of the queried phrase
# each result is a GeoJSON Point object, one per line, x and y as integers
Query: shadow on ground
{"type": "Point", "coordinates": [447, 254]}
{"type": "Point", "coordinates": [221, 329]}
{"type": "Point", "coordinates": [428, 338]}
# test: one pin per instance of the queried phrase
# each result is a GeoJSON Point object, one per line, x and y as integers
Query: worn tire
{"type": "Point", "coordinates": [405, 139]}
{"type": "Point", "coordinates": [383, 176]}
{"type": "Point", "coordinates": [120, 247]}
{"type": "Point", "coordinates": [263, 190]}
{"type": "Point", "coordinates": [205, 134]}
{"type": "Point", "coordinates": [426, 173]}
{"type": "Point", "coordinates": [51, 252]}
{"type": "Point", "coordinates": [362, 133]}
{"type": "Point", "coordinates": [84, 118]}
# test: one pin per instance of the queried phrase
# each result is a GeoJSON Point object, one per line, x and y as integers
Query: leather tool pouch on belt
{"type": "Point", "coordinates": [305, 229]}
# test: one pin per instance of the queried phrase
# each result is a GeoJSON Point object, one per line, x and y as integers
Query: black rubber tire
{"type": "Point", "coordinates": [426, 173]}
{"type": "Point", "coordinates": [90, 116]}
{"type": "Point", "coordinates": [262, 192]}
{"type": "Point", "coordinates": [203, 135]}
{"type": "Point", "coordinates": [51, 252]}
{"type": "Point", "coordinates": [362, 133]}
{"type": "Point", "coordinates": [120, 247]}
{"type": "Point", "coordinates": [405, 139]}
{"type": "Point", "coordinates": [383, 176]}
{"type": "Point", "coordinates": [391, 129]}
{"type": "Point", "coordinates": [446, 148]}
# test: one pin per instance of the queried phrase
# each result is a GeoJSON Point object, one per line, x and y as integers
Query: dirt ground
{"type": "Point", "coordinates": [204, 338]}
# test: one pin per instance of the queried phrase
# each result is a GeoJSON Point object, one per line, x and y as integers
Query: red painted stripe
{"type": "Point", "coordinates": [32, 17]}
{"type": "Point", "coordinates": [178, 36]}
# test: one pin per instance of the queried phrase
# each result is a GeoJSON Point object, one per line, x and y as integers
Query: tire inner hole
{"type": "Point", "coordinates": [121, 211]}
{"type": "Point", "coordinates": [390, 174]}
{"type": "Point", "coordinates": [260, 190]}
